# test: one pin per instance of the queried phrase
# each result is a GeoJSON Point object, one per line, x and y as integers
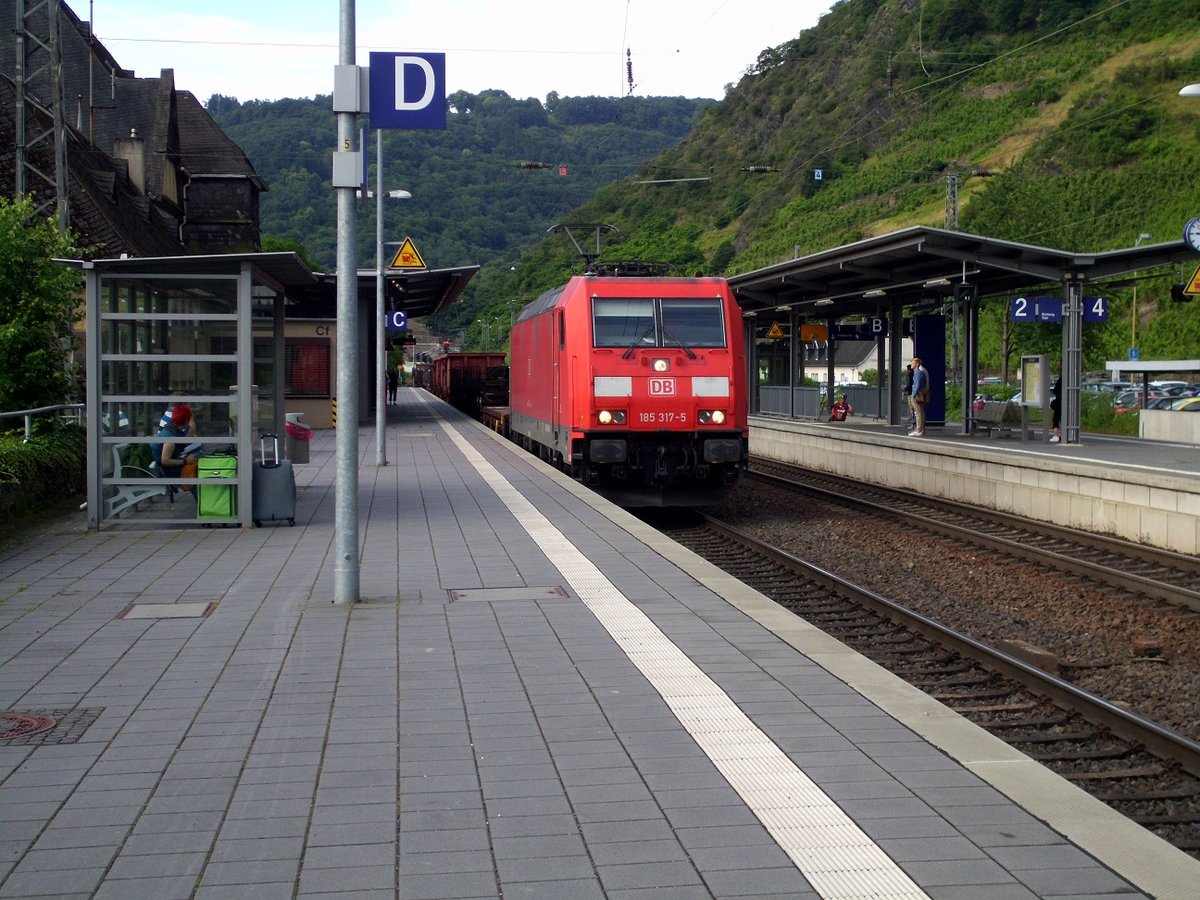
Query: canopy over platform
{"type": "Point", "coordinates": [1152, 367]}
{"type": "Point", "coordinates": [933, 272]}
{"type": "Point", "coordinates": [918, 264]}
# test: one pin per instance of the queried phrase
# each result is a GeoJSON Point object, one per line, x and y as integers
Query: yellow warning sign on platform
{"type": "Point", "coordinates": [1193, 286]}
{"type": "Point", "coordinates": [775, 331]}
{"type": "Point", "coordinates": [407, 257]}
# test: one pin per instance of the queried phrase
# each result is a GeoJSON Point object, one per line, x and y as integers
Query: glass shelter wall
{"type": "Point", "coordinates": [156, 341]}
{"type": "Point", "coordinates": [780, 388]}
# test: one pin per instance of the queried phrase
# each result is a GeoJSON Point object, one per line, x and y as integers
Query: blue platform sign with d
{"type": "Point", "coordinates": [408, 90]}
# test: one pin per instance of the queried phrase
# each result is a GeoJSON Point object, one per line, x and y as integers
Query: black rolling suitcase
{"type": "Point", "coordinates": [273, 484]}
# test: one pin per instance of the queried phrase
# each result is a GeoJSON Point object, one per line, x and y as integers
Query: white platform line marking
{"type": "Point", "coordinates": [833, 853]}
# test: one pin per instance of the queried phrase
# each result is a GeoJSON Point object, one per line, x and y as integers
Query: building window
{"type": "Point", "coordinates": [307, 367]}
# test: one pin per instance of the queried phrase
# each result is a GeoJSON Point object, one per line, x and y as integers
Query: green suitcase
{"type": "Point", "coordinates": [216, 501]}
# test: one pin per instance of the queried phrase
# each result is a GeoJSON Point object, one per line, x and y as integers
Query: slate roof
{"type": "Point", "coordinates": [181, 142]}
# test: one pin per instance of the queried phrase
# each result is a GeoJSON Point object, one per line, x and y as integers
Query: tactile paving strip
{"type": "Point", "coordinates": [836, 856]}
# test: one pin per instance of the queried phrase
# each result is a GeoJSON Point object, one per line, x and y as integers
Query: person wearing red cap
{"type": "Point", "coordinates": [169, 455]}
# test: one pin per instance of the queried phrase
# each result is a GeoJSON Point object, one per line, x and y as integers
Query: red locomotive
{"type": "Point", "coordinates": [635, 384]}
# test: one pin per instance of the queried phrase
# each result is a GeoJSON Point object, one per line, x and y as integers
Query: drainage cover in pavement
{"type": "Point", "coordinates": [194, 610]}
{"type": "Point", "coordinates": [15, 725]}
{"type": "Point", "coordinates": [48, 726]}
{"type": "Point", "coordinates": [492, 595]}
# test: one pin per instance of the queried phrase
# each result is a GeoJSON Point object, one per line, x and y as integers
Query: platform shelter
{"type": "Point", "coordinates": [206, 331]}
{"type": "Point", "coordinates": [917, 283]}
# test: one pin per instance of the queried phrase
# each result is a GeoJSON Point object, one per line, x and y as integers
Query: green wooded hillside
{"type": "Point", "coordinates": [472, 203]}
{"type": "Point", "coordinates": [1059, 119]}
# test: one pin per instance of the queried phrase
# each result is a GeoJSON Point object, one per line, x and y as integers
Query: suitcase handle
{"type": "Point", "coordinates": [262, 449]}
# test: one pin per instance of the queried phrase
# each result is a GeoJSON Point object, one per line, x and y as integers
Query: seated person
{"type": "Point", "coordinates": [165, 419]}
{"type": "Point", "coordinates": [840, 409]}
{"type": "Point", "coordinates": [170, 457]}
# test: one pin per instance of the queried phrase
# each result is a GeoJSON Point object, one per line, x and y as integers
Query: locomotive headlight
{"type": "Point", "coordinates": [611, 417]}
{"type": "Point", "coordinates": [661, 365]}
{"type": "Point", "coordinates": [605, 417]}
{"type": "Point", "coordinates": [712, 417]}
{"type": "Point", "coordinates": [718, 417]}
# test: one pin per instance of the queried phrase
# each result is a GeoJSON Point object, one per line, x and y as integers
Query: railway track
{"type": "Point", "coordinates": [1144, 771]}
{"type": "Point", "coordinates": [1157, 574]}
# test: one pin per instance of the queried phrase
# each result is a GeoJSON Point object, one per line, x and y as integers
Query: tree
{"type": "Point", "coordinates": [38, 306]}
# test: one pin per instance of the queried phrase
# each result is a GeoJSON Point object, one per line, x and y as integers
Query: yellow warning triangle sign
{"type": "Point", "coordinates": [774, 331]}
{"type": "Point", "coordinates": [407, 257]}
{"type": "Point", "coordinates": [1192, 288]}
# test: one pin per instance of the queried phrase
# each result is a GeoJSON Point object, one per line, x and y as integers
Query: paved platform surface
{"type": "Point", "coordinates": [536, 697]}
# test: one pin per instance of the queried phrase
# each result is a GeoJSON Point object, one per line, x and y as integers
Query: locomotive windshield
{"type": "Point", "coordinates": [667, 322]}
{"type": "Point", "coordinates": [698, 322]}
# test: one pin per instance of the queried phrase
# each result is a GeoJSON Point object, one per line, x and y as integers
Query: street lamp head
{"type": "Point", "coordinates": [394, 195]}
{"type": "Point", "coordinates": [1190, 90]}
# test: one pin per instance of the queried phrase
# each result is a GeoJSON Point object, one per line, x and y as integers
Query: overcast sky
{"type": "Point", "coordinates": [267, 49]}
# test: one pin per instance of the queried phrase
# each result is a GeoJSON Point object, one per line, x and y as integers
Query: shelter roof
{"type": "Point", "coordinates": [311, 294]}
{"type": "Point", "coordinates": [420, 293]}
{"type": "Point", "coordinates": [285, 269]}
{"type": "Point", "coordinates": [921, 263]}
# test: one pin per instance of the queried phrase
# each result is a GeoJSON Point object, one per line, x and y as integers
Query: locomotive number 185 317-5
{"type": "Point", "coordinates": [662, 418]}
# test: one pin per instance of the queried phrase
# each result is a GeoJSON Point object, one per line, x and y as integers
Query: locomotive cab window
{"type": "Point", "coordinates": [693, 322]}
{"type": "Point", "coordinates": [669, 322]}
{"type": "Point", "coordinates": [620, 322]}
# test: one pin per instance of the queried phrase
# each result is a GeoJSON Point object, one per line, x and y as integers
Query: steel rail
{"type": "Point", "coordinates": [1151, 587]}
{"type": "Point", "coordinates": [1130, 726]}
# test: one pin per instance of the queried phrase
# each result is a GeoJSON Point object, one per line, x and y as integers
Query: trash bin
{"type": "Point", "coordinates": [298, 433]}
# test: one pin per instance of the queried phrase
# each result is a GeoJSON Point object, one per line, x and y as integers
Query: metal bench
{"type": "Point", "coordinates": [1000, 415]}
{"type": "Point", "coordinates": [129, 495]}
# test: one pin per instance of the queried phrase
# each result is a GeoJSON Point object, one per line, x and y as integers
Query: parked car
{"type": "Point", "coordinates": [1100, 387]}
{"type": "Point", "coordinates": [1129, 401]}
{"type": "Point", "coordinates": [1161, 403]}
{"type": "Point", "coordinates": [1170, 388]}
{"type": "Point", "coordinates": [1187, 404]}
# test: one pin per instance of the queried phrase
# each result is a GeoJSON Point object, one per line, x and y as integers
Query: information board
{"type": "Point", "coordinates": [1035, 380]}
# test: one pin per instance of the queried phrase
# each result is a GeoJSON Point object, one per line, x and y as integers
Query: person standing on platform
{"type": "Point", "coordinates": [908, 377]}
{"type": "Point", "coordinates": [1056, 410]}
{"type": "Point", "coordinates": [919, 396]}
{"type": "Point", "coordinates": [393, 382]}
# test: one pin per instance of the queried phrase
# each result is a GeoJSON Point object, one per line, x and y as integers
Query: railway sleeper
{"type": "Point", "coordinates": [938, 667]}
{"type": "Point", "coordinates": [1178, 793]}
{"type": "Point", "coordinates": [996, 708]}
{"type": "Point", "coordinates": [1063, 756]}
{"type": "Point", "coordinates": [1114, 774]}
{"type": "Point", "coordinates": [995, 694]}
{"type": "Point", "coordinates": [1174, 819]}
{"type": "Point", "coordinates": [875, 630]}
{"type": "Point", "coordinates": [965, 680]}
{"type": "Point", "coordinates": [1029, 722]}
{"type": "Point", "coordinates": [1052, 737]}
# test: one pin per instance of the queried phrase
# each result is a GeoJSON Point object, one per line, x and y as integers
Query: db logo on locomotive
{"type": "Point", "coordinates": [662, 387]}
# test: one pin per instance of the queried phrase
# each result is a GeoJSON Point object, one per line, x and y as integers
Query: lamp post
{"type": "Point", "coordinates": [1145, 235]}
{"type": "Point", "coordinates": [380, 307]}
